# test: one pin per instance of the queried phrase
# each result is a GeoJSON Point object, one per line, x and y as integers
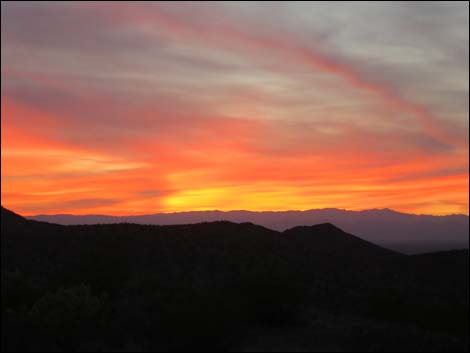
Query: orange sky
{"type": "Point", "coordinates": [164, 107]}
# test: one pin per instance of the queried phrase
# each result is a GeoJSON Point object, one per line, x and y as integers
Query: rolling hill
{"type": "Point", "coordinates": [223, 286]}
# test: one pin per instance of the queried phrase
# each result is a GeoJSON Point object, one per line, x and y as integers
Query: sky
{"type": "Point", "coordinates": [135, 108]}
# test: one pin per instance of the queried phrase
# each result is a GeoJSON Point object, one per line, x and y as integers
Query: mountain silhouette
{"type": "Point", "coordinates": [11, 219]}
{"type": "Point", "coordinates": [402, 232]}
{"type": "Point", "coordinates": [223, 286]}
{"type": "Point", "coordinates": [329, 239]}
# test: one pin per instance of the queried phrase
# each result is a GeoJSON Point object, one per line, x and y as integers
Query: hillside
{"type": "Point", "coordinates": [222, 286]}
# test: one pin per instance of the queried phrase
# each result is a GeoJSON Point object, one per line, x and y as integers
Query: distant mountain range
{"type": "Point", "coordinates": [407, 233]}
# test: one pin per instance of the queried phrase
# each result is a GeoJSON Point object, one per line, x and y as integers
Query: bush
{"type": "Point", "coordinates": [68, 318]}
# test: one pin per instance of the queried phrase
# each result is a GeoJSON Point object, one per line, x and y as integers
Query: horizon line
{"type": "Point", "coordinates": [240, 210]}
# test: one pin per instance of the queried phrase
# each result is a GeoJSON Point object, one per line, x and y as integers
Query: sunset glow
{"type": "Point", "coordinates": [136, 108]}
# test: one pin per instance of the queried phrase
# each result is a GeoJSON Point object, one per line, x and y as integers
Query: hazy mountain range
{"type": "Point", "coordinates": [407, 233]}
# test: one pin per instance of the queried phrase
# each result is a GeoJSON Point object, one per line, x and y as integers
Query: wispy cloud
{"type": "Point", "coordinates": [175, 106]}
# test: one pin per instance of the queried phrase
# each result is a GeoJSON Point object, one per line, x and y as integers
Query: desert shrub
{"type": "Point", "coordinates": [68, 318]}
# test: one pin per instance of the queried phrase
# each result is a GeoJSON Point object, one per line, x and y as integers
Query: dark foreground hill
{"type": "Point", "coordinates": [223, 286]}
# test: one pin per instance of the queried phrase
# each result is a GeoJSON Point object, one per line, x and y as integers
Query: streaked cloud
{"type": "Point", "coordinates": [163, 106]}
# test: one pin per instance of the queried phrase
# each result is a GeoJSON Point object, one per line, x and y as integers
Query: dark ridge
{"type": "Point", "coordinates": [209, 286]}
{"type": "Point", "coordinates": [10, 216]}
{"type": "Point", "coordinates": [326, 238]}
{"type": "Point", "coordinates": [317, 228]}
{"type": "Point", "coordinates": [13, 222]}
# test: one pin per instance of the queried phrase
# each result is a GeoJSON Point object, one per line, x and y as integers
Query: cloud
{"type": "Point", "coordinates": [165, 107]}
{"type": "Point", "coordinates": [64, 206]}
